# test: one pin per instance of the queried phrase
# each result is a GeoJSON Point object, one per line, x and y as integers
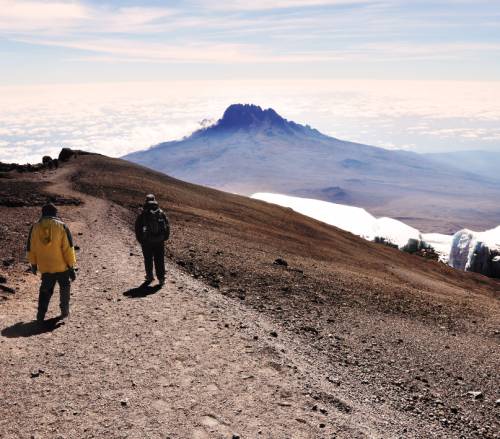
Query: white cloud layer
{"type": "Point", "coordinates": [118, 118]}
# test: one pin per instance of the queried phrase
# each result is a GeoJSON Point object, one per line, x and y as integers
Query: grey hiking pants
{"type": "Point", "coordinates": [154, 253]}
{"type": "Point", "coordinates": [47, 289]}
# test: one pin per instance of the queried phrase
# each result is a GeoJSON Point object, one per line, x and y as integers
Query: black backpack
{"type": "Point", "coordinates": [156, 228]}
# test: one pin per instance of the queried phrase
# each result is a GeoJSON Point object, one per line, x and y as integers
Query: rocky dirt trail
{"type": "Point", "coordinates": [178, 362]}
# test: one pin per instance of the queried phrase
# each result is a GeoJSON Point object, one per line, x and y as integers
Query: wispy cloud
{"type": "Point", "coordinates": [256, 5]}
{"type": "Point", "coordinates": [346, 38]}
{"type": "Point", "coordinates": [33, 16]}
{"type": "Point", "coordinates": [129, 50]}
{"type": "Point", "coordinates": [131, 19]}
{"type": "Point", "coordinates": [59, 17]}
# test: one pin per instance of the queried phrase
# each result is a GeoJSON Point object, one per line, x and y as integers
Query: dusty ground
{"type": "Point", "coordinates": [182, 361]}
{"type": "Point", "coordinates": [235, 345]}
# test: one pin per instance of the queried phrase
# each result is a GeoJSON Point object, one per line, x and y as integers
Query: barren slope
{"type": "Point", "coordinates": [367, 341]}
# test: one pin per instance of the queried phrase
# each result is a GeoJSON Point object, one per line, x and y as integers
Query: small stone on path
{"type": "Point", "coordinates": [476, 394]}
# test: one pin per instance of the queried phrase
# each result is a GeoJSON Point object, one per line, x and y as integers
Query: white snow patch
{"type": "Point", "coordinates": [395, 231]}
{"type": "Point", "coordinates": [440, 243]}
{"type": "Point", "coordinates": [456, 250]}
{"type": "Point", "coordinates": [352, 219]}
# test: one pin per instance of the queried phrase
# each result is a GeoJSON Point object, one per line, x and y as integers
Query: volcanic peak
{"type": "Point", "coordinates": [249, 117]}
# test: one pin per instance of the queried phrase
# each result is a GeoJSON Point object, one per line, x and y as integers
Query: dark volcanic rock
{"type": "Point", "coordinates": [35, 374]}
{"type": "Point", "coordinates": [280, 261]}
{"type": "Point", "coordinates": [485, 261]}
{"type": "Point", "coordinates": [66, 154]}
{"type": "Point", "coordinates": [6, 289]}
{"type": "Point", "coordinates": [246, 116]}
{"type": "Point", "coordinates": [49, 162]}
{"type": "Point", "coordinates": [8, 262]}
{"type": "Point", "coordinates": [46, 159]}
{"type": "Point", "coordinates": [495, 267]}
{"type": "Point", "coordinates": [481, 259]}
{"type": "Point", "coordinates": [476, 394]}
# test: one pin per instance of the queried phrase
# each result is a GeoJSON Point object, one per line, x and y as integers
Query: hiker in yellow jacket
{"type": "Point", "coordinates": [50, 251]}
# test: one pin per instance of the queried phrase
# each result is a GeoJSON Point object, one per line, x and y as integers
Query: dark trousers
{"type": "Point", "coordinates": [154, 253]}
{"type": "Point", "coordinates": [47, 289]}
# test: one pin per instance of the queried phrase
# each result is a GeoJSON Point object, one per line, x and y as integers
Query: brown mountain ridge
{"type": "Point", "coordinates": [359, 340]}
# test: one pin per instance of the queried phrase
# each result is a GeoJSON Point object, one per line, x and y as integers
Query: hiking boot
{"type": "Point", "coordinates": [148, 280]}
{"type": "Point", "coordinates": [64, 314]}
{"type": "Point", "coordinates": [161, 282]}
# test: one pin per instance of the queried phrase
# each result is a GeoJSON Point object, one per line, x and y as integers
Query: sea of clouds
{"type": "Point", "coordinates": [118, 118]}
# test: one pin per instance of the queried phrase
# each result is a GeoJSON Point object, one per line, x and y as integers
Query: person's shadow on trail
{"type": "Point", "coordinates": [28, 329]}
{"type": "Point", "coordinates": [142, 290]}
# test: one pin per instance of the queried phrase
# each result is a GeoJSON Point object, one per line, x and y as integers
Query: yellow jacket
{"type": "Point", "coordinates": [50, 246]}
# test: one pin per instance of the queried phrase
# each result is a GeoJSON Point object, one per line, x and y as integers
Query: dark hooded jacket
{"type": "Point", "coordinates": [151, 212]}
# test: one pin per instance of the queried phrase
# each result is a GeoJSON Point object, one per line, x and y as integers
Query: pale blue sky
{"type": "Point", "coordinates": [406, 74]}
{"type": "Point", "coordinates": [91, 41]}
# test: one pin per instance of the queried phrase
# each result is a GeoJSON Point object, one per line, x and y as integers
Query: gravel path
{"type": "Point", "coordinates": [180, 362]}
{"type": "Point", "coordinates": [183, 361]}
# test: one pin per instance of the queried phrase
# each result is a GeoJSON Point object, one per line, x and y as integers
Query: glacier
{"type": "Point", "coordinates": [457, 250]}
{"type": "Point", "coordinates": [352, 219]}
{"type": "Point", "coordinates": [468, 245]}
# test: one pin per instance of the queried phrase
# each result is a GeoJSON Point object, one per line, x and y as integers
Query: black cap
{"type": "Point", "coordinates": [49, 210]}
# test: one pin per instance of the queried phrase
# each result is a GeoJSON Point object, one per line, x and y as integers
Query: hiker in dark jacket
{"type": "Point", "coordinates": [50, 251]}
{"type": "Point", "coordinates": [152, 229]}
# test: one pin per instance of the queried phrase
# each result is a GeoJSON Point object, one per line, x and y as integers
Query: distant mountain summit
{"type": "Point", "coordinates": [248, 116]}
{"type": "Point", "coordinates": [252, 150]}
{"type": "Point", "coordinates": [252, 118]}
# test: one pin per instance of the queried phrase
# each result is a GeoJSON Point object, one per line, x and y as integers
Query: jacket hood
{"type": "Point", "coordinates": [46, 230]}
{"type": "Point", "coordinates": [151, 206]}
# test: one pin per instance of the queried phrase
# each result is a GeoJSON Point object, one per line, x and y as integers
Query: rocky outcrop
{"type": "Point", "coordinates": [495, 267]}
{"type": "Point", "coordinates": [66, 154]}
{"type": "Point", "coordinates": [47, 162]}
{"type": "Point", "coordinates": [481, 259]}
{"type": "Point", "coordinates": [17, 191]}
{"type": "Point", "coordinates": [384, 241]}
{"type": "Point", "coordinates": [8, 167]}
{"type": "Point", "coordinates": [421, 248]}
{"type": "Point", "coordinates": [471, 251]}
{"type": "Point", "coordinates": [485, 261]}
